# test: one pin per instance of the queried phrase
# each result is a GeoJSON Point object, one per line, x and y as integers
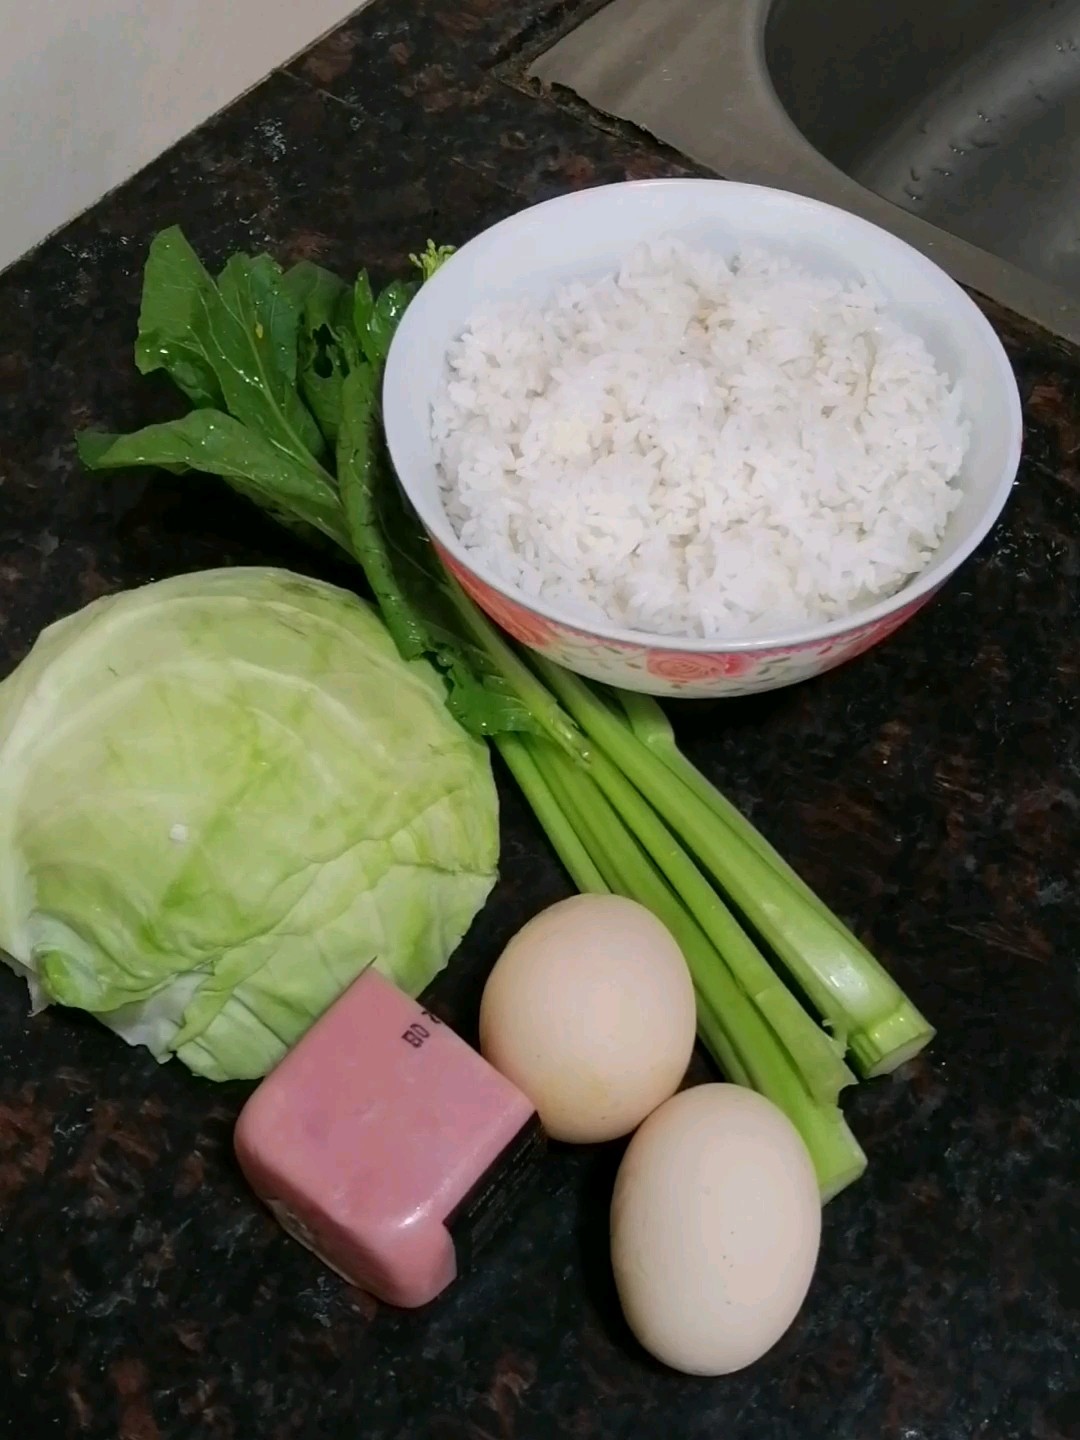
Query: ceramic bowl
{"type": "Point", "coordinates": [584, 235]}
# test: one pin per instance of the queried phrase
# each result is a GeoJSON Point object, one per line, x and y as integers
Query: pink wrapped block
{"type": "Point", "coordinates": [386, 1144]}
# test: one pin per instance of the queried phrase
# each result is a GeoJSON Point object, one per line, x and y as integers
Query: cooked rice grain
{"type": "Point", "coordinates": [692, 448]}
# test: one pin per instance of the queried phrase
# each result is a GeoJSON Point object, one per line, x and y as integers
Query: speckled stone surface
{"type": "Point", "coordinates": [931, 791]}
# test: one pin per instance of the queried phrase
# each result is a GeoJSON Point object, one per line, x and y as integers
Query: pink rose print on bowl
{"type": "Point", "coordinates": [687, 668]}
{"type": "Point", "coordinates": [657, 670]}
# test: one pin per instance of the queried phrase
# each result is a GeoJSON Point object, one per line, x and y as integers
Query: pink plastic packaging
{"type": "Point", "coordinates": [387, 1145]}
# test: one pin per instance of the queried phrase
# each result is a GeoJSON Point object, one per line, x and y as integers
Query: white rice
{"type": "Point", "coordinates": [692, 448]}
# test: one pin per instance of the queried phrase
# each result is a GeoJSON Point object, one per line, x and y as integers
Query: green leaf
{"type": "Point", "coordinates": [385, 316]}
{"type": "Point", "coordinates": [321, 298]}
{"type": "Point", "coordinates": [254, 289]}
{"type": "Point", "coordinates": [258, 335]}
{"type": "Point", "coordinates": [363, 304]}
{"type": "Point", "coordinates": [176, 288]}
{"type": "Point", "coordinates": [322, 369]}
{"type": "Point", "coordinates": [325, 307]}
{"type": "Point", "coordinates": [214, 442]}
{"type": "Point", "coordinates": [230, 345]}
{"type": "Point", "coordinates": [314, 290]}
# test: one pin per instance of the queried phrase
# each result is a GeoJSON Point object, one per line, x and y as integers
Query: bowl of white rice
{"type": "Point", "coordinates": [698, 438]}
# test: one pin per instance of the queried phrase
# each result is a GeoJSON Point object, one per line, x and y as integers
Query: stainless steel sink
{"type": "Point", "coordinates": [969, 114]}
{"type": "Point", "coordinates": [953, 123]}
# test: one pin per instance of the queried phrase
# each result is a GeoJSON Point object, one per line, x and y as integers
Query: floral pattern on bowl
{"type": "Point", "coordinates": [667, 670]}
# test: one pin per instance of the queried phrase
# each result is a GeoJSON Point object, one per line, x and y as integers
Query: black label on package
{"type": "Point", "coordinates": [481, 1213]}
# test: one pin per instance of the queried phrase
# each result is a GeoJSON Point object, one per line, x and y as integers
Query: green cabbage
{"type": "Point", "coordinates": [222, 797]}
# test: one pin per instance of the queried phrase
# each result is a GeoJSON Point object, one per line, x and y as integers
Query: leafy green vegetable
{"type": "Point", "coordinates": [259, 334]}
{"type": "Point", "coordinates": [213, 442]}
{"type": "Point", "coordinates": [231, 345]}
{"type": "Point", "coordinates": [221, 798]}
{"type": "Point", "coordinates": [254, 328]}
{"type": "Point", "coordinates": [177, 290]}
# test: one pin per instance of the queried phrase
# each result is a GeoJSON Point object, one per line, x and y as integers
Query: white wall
{"type": "Point", "coordinates": [92, 90]}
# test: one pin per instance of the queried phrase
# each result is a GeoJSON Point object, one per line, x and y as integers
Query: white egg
{"type": "Point", "coordinates": [715, 1229]}
{"type": "Point", "coordinates": [590, 1012]}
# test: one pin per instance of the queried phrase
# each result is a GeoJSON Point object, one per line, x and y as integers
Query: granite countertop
{"type": "Point", "coordinates": [930, 790]}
